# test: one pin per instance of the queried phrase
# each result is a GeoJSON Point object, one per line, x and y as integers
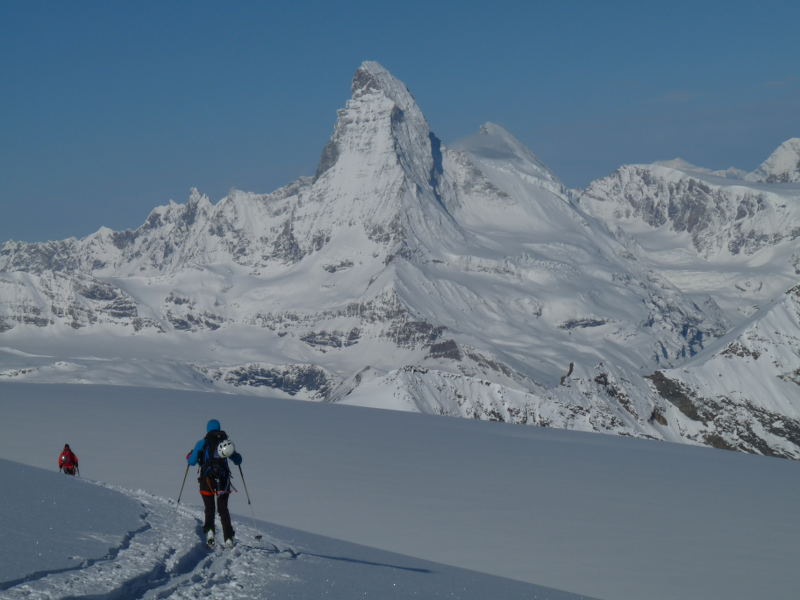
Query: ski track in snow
{"type": "Point", "coordinates": [166, 558]}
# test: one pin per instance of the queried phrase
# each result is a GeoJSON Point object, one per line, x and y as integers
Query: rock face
{"type": "Point", "coordinates": [464, 281]}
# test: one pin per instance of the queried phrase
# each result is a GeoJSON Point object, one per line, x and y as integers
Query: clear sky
{"type": "Point", "coordinates": [108, 109]}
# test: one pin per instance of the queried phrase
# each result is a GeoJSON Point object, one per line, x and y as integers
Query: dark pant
{"type": "Point", "coordinates": [224, 515]}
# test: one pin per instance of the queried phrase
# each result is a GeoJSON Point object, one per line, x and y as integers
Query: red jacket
{"type": "Point", "coordinates": [67, 458]}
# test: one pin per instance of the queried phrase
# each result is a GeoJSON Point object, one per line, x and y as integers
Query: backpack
{"type": "Point", "coordinates": [67, 458]}
{"type": "Point", "coordinates": [68, 462]}
{"type": "Point", "coordinates": [211, 464]}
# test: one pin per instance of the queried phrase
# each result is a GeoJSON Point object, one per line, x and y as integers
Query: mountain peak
{"type": "Point", "coordinates": [493, 142]}
{"type": "Point", "coordinates": [490, 128]}
{"type": "Point", "coordinates": [678, 163]}
{"type": "Point", "coordinates": [782, 166]}
{"type": "Point", "coordinates": [384, 159]}
{"type": "Point", "coordinates": [380, 120]}
{"type": "Point", "coordinates": [373, 77]}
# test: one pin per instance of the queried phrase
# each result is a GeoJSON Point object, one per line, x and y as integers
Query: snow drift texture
{"type": "Point", "coordinates": [660, 302]}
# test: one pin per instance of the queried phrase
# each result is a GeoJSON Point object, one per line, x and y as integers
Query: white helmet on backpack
{"type": "Point", "coordinates": [226, 449]}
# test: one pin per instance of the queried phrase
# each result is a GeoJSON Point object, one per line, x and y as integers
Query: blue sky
{"type": "Point", "coordinates": [109, 109]}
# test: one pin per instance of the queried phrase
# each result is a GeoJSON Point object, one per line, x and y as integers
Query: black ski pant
{"type": "Point", "coordinates": [222, 509]}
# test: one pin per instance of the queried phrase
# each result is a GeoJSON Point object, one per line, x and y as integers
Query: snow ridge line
{"type": "Point", "coordinates": [116, 575]}
{"type": "Point", "coordinates": [164, 558]}
{"type": "Point", "coordinates": [110, 556]}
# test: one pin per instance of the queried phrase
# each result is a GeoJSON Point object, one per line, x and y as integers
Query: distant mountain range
{"type": "Point", "coordinates": [662, 301]}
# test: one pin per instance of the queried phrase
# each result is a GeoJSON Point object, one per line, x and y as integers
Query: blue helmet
{"type": "Point", "coordinates": [213, 425]}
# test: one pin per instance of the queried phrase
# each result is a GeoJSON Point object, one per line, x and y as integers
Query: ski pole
{"type": "Point", "coordinates": [185, 473]}
{"type": "Point", "coordinates": [244, 483]}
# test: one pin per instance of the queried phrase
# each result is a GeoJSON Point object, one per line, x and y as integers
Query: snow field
{"type": "Point", "coordinates": [162, 556]}
{"type": "Point", "coordinates": [598, 515]}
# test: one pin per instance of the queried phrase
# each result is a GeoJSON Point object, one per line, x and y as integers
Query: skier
{"type": "Point", "coordinates": [68, 461]}
{"type": "Point", "coordinates": [212, 454]}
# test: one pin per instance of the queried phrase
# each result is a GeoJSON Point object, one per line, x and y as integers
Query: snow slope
{"type": "Point", "coordinates": [57, 523]}
{"type": "Point", "coordinates": [131, 544]}
{"type": "Point", "coordinates": [603, 516]}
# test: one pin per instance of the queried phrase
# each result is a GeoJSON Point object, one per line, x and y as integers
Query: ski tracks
{"type": "Point", "coordinates": [164, 559]}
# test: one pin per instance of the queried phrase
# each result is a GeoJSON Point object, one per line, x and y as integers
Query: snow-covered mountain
{"type": "Point", "coordinates": [735, 241]}
{"type": "Point", "coordinates": [463, 280]}
{"type": "Point", "coordinates": [745, 386]}
{"type": "Point", "coordinates": [723, 218]}
{"type": "Point", "coordinates": [782, 166]}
